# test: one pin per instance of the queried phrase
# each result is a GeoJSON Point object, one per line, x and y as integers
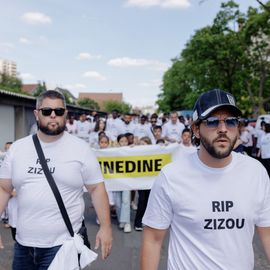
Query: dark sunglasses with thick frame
{"type": "Point", "coordinates": [213, 122]}
{"type": "Point", "coordinates": [48, 111]}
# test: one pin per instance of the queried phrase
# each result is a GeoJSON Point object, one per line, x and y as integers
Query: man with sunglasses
{"type": "Point", "coordinates": [212, 200]}
{"type": "Point", "coordinates": [41, 230]}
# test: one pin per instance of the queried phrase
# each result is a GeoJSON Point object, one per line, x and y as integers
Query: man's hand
{"type": "Point", "coordinates": [101, 204]}
{"type": "Point", "coordinates": [104, 239]}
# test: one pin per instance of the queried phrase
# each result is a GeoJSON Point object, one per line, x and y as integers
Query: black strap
{"type": "Point", "coordinates": [52, 184]}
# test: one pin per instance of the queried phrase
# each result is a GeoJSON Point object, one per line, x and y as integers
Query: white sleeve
{"type": "Point", "coordinates": [91, 172]}
{"type": "Point", "coordinates": [159, 211]}
{"type": "Point", "coordinates": [264, 211]}
{"type": "Point", "coordinates": [5, 169]}
{"type": "Point", "coordinates": [164, 131]}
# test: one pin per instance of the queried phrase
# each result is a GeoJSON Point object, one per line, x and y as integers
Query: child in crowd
{"type": "Point", "coordinates": [186, 143]}
{"type": "Point", "coordinates": [104, 142]}
{"type": "Point", "coordinates": [122, 198]}
{"type": "Point", "coordinates": [143, 195]}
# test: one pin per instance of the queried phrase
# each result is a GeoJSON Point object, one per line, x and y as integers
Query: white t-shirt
{"type": "Point", "coordinates": [12, 211]}
{"type": "Point", "coordinates": [114, 126]}
{"type": "Point", "coordinates": [259, 134]}
{"type": "Point", "coordinates": [246, 137]}
{"type": "Point", "coordinates": [93, 139]}
{"type": "Point", "coordinates": [83, 129]}
{"type": "Point", "coordinates": [72, 164]}
{"type": "Point", "coordinates": [252, 132]}
{"type": "Point", "coordinates": [130, 128]}
{"type": "Point", "coordinates": [173, 131]}
{"type": "Point", "coordinates": [211, 212]}
{"type": "Point", "coordinates": [71, 128]}
{"type": "Point", "coordinates": [188, 149]}
{"type": "Point", "coordinates": [265, 146]}
{"type": "Point", "coordinates": [144, 131]}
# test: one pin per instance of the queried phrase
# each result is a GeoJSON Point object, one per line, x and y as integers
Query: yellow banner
{"type": "Point", "coordinates": [133, 166]}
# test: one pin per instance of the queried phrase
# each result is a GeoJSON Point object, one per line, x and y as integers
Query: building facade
{"type": "Point", "coordinates": [8, 67]}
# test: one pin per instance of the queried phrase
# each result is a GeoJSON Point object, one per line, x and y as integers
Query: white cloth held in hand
{"type": "Point", "coordinates": [67, 256]}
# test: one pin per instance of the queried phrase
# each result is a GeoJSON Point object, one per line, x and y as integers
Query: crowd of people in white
{"type": "Point", "coordinates": [122, 130]}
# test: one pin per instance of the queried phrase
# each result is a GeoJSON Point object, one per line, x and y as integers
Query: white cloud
{"type": "Point", "coordinates": [94, 75]}
{"type": "Point", "coordinates": [6, 47]}
{"type": "Point", "coordinates": [154, 83]}
{"type": "Point", "coordinates": [36, 18]}
{"type": "Point", "coordinates": [76, 85]}
{"type": "Point", "coordinates": [133, 62]}
{"type": "Point", "coordinates": [87, 56]}
{"type": "Point", "coordinates": [24, 40]}
{"type": "Point", "coordinates": [43, 39]}
{"type": "Point", "coordinates": [160, 3]}
{"type": "Point", "coordinates": [127, 62]}
{"type": "Point", "coordinates": [80, 85]}
{"type": "Point", "coordinates": [159, 66]}
{"type": "Point", "coordinates": [27, 76]}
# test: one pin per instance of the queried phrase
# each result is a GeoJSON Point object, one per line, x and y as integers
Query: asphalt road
{"type": "Point", "coordinates": [126, 248]}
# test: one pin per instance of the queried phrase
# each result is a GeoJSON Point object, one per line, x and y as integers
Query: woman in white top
{"type": "Point", "coordinates": [94, 136]}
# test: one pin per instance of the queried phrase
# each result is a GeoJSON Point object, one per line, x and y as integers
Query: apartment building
{"type": "Point", "coordinates": [8, 67]}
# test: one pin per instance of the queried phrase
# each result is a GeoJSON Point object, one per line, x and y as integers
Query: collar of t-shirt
{"type": "Point", "coordinates": [198, 163]}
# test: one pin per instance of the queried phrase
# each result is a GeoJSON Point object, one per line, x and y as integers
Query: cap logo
{"type": "Point", "coordinates": [231, 99]}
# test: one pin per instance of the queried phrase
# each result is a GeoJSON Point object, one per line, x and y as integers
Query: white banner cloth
{"type": "Point", "coordinates": [134, 167]}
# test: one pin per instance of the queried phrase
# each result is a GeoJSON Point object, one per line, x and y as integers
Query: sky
{"type": "Point", "coordinates": [101, 46]}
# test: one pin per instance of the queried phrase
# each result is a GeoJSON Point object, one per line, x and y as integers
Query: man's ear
{"type": "Point", "coordinates": [196, 130]}
{"type": "Point", "coordinates": [36, 114]}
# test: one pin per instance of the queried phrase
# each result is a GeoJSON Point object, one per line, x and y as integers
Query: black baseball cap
{"type": "Point", "coordinates": [213, 100]}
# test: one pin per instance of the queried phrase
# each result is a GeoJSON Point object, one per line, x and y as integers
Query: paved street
{"type": "Point", "coordinates": [125, 252]}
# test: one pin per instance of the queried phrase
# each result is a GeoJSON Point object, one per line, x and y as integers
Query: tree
{"type": "Point", "coordinates": [257, 34]}
{"type": "Point", "coordinates": [10, 83]}
{"type": "Point", "coordinates": [265, 6]}
{"type": "Point", "coordinates": [40, 89]}
{"type": "Point", "coordinates": [223, 55]}
{"type": "Point", "coordinates": [88, 103]}
{"type": "Point", "coordinates": [122, 107]}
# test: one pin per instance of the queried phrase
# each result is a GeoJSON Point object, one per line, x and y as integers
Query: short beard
{"type": "Point", "coordinates": [47, 131]}
{"type": "Point", "coordinates": [209, 147]}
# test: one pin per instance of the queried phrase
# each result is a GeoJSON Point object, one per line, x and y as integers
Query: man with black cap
{"type": "Point", "coordinates": [211, 200]}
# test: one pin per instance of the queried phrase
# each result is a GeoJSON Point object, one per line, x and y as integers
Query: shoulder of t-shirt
{"type": "Point", "coordinates": [78, 145]}
{"type": "Point", "coordinates": [22, 141]}
{"type": "Point", "coordinates": [74, 141]}
{"type": "Point", "coordinates": [247, 160]}
{"type": "Point", "coordinates": [180, 159]}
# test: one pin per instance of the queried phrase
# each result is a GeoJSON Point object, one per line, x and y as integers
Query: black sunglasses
{"type": "Point", "coordinates": [213, 122]}
{"type": "Point", "coordinates": [48, 111]}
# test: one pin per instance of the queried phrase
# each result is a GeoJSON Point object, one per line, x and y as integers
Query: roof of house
{"type": "Point", "coordinates": [65, 91]}
{"type": "Point", "coordinates": [101, 97]}
{"type": "Point", "coordinates": [29, 88]}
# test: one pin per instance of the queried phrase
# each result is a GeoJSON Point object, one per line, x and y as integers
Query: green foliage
{"type": "Point", "coordinates": [40, 89]}
{"type": "Point", "coordinates": [231, 54]}
{"type": "Point", "coordinates": [88, 103]}
{"type": "Point", "coordinates": [10, 83]}
{"type": "Point", "coordinates": [69, 99]}
{"type": "Point", "coordinates": [122, 107]}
